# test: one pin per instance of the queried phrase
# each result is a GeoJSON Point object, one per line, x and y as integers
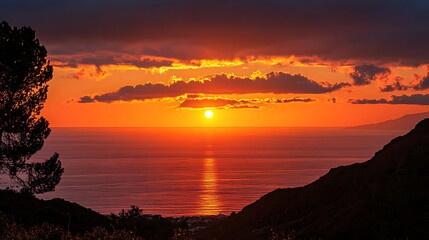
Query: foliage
{"type": "Point", "coordinates": [182, 234]}
{"type": "Point", "coordinates": [133, 212]}
{"type": "Point", "coordinates": [146, 226]}
{"type": "Point", "coordinates": [24, 74]}
{"type": "Point", "coordinates": [102, 233]}
{"type": "Point", "coordinates": [282, 235]}
{"type": "Point", "coordinates": [129, 228]}
{"type": "Point", "coordinates": [9, 230]}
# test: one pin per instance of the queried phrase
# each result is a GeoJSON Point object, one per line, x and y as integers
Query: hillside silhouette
{"type": "Point", "coordinates": [27, 212]}
{"type": "Point", "coordinates": [383, 198]}
{"type": "Point", "coordinates": [30, 211]}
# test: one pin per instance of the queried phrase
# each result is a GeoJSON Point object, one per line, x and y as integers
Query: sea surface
{"type": "Point", "coordinates": [197, 171]}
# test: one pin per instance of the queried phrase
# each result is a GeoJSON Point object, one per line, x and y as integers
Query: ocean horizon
{"type": "Point", "coordinates": [182, 171]}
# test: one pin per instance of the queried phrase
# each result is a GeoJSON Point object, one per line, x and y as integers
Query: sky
{"type": "Point", "coordinates": [162, 63]}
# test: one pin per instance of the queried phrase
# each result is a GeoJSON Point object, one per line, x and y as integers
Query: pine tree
{"type": "Point", "coordinates": [24, 74]}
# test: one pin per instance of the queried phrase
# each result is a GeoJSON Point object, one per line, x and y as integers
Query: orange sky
{"type": "Point", "coordinates": [253, 62]}
{"type": "Point", "coordinates": [63, 109]}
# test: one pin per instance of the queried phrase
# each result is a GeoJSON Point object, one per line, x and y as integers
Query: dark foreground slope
{"type": "Point", "coordinates": [30, 211]}
{"type": "Point", "coordinates": [74, 221]}
{"type": "Point", "coordinates": [386, 197]}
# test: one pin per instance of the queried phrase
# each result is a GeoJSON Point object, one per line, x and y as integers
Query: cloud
{"type": "Point", "coordinates": [94, 72]}
{"type": "Point", "coordinates": [230, 103]}
{"type": "Point", "coordinates": [423, 83]}
{"type": "Point", "coordinates": [414, 99]}
{"type": "Point", "coordinates": [332, 100]}
{"type": "Point", "coordinates": [397, 85]}
{"type": "Point", "coordinates": [216, 102]}
{"type": "Point", "coordinates": [109, 58]}
{"type": "Point", "coordinates": [366, 73]}
{"type": "Point", "coordinates": [365, 31]}
{"type": "Point", "coordinates": [276, 83]}
{"type": "Point", "coordinates": [86, 99]}
{"type": "Point", "coordinates": [288, 100]}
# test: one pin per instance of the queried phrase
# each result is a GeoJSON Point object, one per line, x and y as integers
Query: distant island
{"type": "Point", "coordinates": [403, 123]}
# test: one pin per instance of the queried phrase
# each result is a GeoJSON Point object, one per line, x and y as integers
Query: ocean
{"type": "Point", "coordinates": [197, 171]}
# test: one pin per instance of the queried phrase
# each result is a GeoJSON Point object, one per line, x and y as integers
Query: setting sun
{"type": "Point", "coordinates": [208, 114]}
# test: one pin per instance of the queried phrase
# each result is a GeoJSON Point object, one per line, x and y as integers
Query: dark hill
{"type": "Point", "coordinates": [386, 197]}
{"type": "Point", "coordinates": [403, 123]}
{"type": "Point", "coordinates": [30, 211]}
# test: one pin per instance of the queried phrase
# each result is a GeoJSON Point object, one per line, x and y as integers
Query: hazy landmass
{"type": "Point", "coordinates": [403, 123]}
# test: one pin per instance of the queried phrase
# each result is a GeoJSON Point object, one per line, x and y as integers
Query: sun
{"type": "Point", "coordinates": [208, 114]}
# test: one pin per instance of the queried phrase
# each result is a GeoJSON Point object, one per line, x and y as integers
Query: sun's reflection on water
{"type": "Point", "coordinates": [209, 200]}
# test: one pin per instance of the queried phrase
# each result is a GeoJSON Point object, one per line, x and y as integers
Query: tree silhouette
{"type": "Point", "coordinates": [24, 74]}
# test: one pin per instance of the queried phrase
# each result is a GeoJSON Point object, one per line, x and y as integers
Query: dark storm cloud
{"type": "Point", "coordinates": [414, 99]}
{"type": "Point", "coordinates": [277, 83]}
{"type": "Point", "coordinates": [143, 63]}
{"type": "Point", "coordinates": [370, 30]}
{"type": "Point", "coordinates": [366, 73]}
{"type": "Point", "coordinates": [109, 59]}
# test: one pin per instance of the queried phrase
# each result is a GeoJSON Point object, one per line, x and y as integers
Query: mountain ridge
{"type": "Point", "coordinates": [382, 198]}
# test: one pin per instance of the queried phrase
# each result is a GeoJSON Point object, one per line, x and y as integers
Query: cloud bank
{"type": "Point", "coordinates": [276, 83]}
{"type": "Point", "coordinates": [366, 73]}
{"type": "Point", "coordinates": [230, 103]}
{"type": "Point", "coordinates": [414, 99]}
{"type": "Point", "coordinates": [382, 31]}
{"type": "Point", "coordinates": [109, 58]}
